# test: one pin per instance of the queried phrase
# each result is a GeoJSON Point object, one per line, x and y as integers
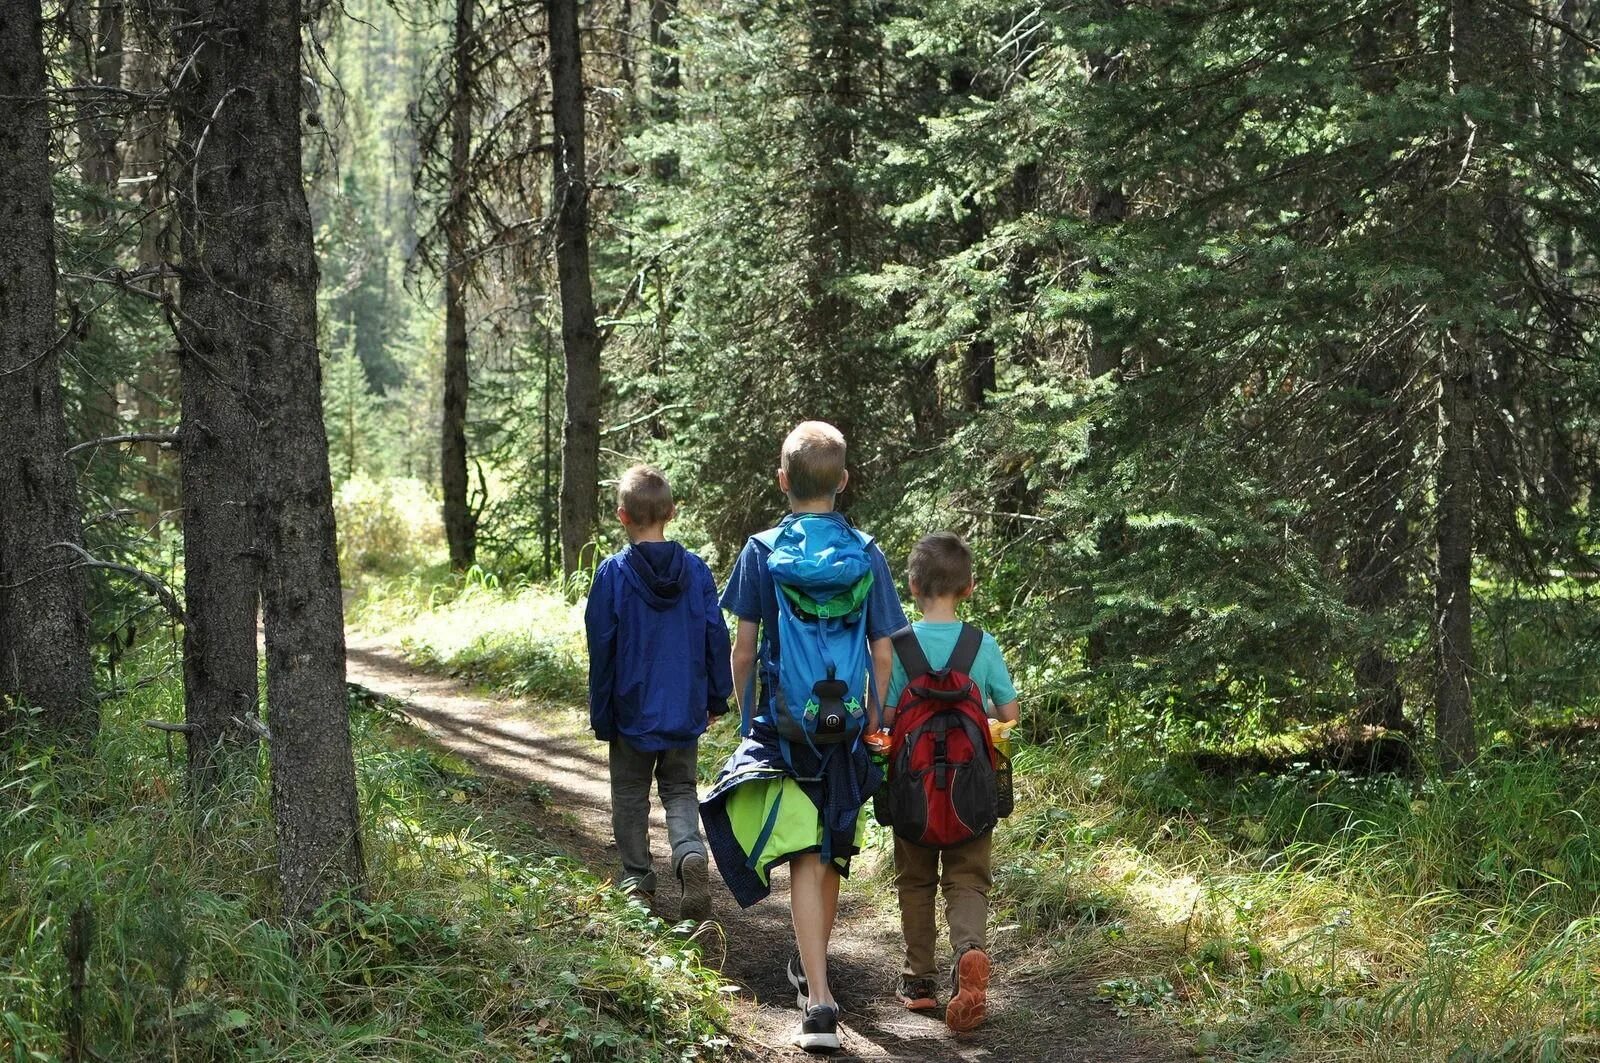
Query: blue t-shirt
{"type": "Point", "coordinates": [751, 595]}
{"type": "Point", "coordinates": [938, 641]}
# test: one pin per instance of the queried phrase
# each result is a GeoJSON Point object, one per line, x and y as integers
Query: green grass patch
{"type": "Point", "coordinates": [520, 640]}
{"type": "Point", "coordinates": [470, 944]}
{"type": "Point", "coordinates": [1276, 916]}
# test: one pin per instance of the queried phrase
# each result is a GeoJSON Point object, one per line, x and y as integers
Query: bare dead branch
{"type": "Point", "coordinates": [167, 440]}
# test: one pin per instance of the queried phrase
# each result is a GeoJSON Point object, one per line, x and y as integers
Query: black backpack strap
{"type": "Point", "coordinates": [965, 654]}
{"type": "Point", "coordinates": [909, 650]}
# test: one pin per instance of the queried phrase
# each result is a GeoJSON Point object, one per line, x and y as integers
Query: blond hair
{"type": "Point", "coordinates": [940, 565]}
{"type": "Point", "coordinates": [645, 496]}
{"type": "Point", "coordinates": [813, 459]}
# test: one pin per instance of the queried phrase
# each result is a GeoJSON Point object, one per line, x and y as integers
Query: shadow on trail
{"type": "Point", "coordinates": [750, 946]}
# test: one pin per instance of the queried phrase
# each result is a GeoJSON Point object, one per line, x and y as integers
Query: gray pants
{"type": "Point", "coordinates": [674, 772]}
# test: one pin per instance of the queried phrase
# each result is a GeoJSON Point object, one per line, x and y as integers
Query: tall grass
{"type": "Point", "coordinates": [1317, 914]}
{"type": "Point", "coordinates": [519, 640]}
{"type": "Point", "coordinates": [465, 947]}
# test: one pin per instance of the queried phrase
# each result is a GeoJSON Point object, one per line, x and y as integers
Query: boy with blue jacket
{"type": "Point", "coordinates": [658, 672]}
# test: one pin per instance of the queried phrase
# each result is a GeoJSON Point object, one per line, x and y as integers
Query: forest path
{"type": "Point", "coordinates": [517, 741]}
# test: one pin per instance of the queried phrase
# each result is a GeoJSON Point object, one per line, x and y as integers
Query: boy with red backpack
{"type": "Point", "coordinates": [944, 795]}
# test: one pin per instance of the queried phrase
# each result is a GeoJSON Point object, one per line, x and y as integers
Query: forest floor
{"type": "Point", "coordinates": [536, 749]}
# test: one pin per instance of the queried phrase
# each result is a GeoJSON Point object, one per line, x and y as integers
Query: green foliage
{"type": "Point", "coordinates": [519, 640]}
{"type": "Point", "coordinates": [1276, 913]}
{"type": "Point", "coordinates": [386, 526]}
{"type": "Point", "coordinates": [464, 948]}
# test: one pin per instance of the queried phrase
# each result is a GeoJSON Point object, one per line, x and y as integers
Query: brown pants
{"type": "Point", "coordinates": [966, 877]}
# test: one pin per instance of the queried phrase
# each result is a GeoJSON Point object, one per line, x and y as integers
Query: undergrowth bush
{"type": "Point", "coordinates": [388, 525]}
{"type": "Point", "coordinates": [523, 639]}
{"type": "Point", "coordinates": [462, 950]}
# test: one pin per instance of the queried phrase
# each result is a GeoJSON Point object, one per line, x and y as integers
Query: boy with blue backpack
{"type": "Point", "coordinates": [658, 673]}
{"type": "Point", "coordinates": [816, 606]}
{"type": "Point", "coordinates": [949, 785]}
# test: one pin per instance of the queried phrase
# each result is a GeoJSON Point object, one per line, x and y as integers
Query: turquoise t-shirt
{"type": "Point", "coordinates": [938, 639]}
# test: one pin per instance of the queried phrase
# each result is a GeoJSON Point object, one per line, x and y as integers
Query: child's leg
{"type": "Point", "coordinates": [680, 796]}
{"type": "Point", "coordinates": [814, 903]}
{"type": "Point", "coordinates": [967, 877]}
{"type": "Point", "coordinates": [916, 879]}
{"type": "Point", "coordinates": [631, 771]}
{"type": "Point", "coordinates": [675, 778]}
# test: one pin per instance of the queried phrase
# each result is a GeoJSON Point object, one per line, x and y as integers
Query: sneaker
{"type": "Point", "coordinates": [642, 896]}
{"type": "Point", "coordinates": [695, 875]}
{"type": "Point", "coordinates": [797, 978]}
{"type": "Point", "coordinates": [966, 1009]}
{"type": "Point", "coordinates": [819, 1030]}
{"type": "Point", "coordinates": [918, 994]}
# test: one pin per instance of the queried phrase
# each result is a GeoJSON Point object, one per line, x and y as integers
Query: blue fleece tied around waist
{"type": "Point", "coordinates": [837, 782]}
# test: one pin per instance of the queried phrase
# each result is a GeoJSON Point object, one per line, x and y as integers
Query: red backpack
{"type": "Point", "coordinates": [944, 787]}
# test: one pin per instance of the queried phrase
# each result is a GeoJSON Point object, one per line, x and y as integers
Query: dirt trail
{"type": "Point", "coordinates": [1035, 1021]}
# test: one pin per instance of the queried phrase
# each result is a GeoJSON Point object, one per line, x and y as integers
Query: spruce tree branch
{"type": "Point", "coordinates": [1566, 28]}
{"type": "Point", "coordinates": [163, 593]}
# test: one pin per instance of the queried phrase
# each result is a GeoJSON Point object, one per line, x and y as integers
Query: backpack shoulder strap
{"type": "Point", "coordinates": [909, 650]}
{"type": "Point", "coordinates": [965, 654]}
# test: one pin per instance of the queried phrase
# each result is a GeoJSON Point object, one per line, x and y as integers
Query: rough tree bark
{"type": "Point", "coordinates": [666, 78]}
{"type": "Point", "coordinates": [1108, 205]}
{"type": "Point", "coordinates": [460, 524]}
{"type": "Point", "coordinates": [1374, 578]}
{"type": "Point", "coordinates": [1453, 722]}
{"type": "Point", "coordinates": [219, 320]}
{"type": "Point", "coordinates": [96, 60]}
{"type": "Point", "coordinates": [44, 627]}
{"type": "Point", "coordinates": [580, 338]}
{"type": "Point", "coordinates": [155, 389]}
{"type": "Point", "coordinates": [1483, 57]}
{"type": "Point", "coordinates": [250, 201]}
{"type": "Point", "coordinates": [832, 48]}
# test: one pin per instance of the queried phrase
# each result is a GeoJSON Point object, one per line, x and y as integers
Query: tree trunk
{"type": "Point", "coordinates": [460, 525]}
{"type": "Point", "coordinates": [1374, 579]}
{"type": "Point", "coordinates": [832, 49]}
{"type": "Point", "coordinates": [666, 77]}
{"type": "Point", "coordinates": [251, 208]}
{"type": "Point", "coordinates": [1452, 623]}
{"type": "Point", "coordinates": [1107, 206]}
{"type": "Point", "coordinates": [95, 60]}
{"type": "Point", "coordinates": [44, 626]}
{"type": "Point", "coordinates": [155, 389]}
{"type": "Point", "coordinates": [219, 240]}
{"type": "Point", "coordinates": [580, 338]}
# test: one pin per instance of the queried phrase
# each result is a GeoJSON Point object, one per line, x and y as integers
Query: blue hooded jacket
{"type": "Point", "coordinates": [658, 648]}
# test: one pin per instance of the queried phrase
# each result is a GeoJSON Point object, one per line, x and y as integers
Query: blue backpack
{"type": "Point", "coordinates": [821, 568]}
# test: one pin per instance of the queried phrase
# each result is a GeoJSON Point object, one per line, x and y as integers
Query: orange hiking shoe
{"type": "Point", "coordinates": [918, 994]}
{"type": "Point", "coordinates": [967, 1008]}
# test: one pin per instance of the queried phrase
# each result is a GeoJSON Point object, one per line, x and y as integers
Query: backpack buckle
{"type": "Point", "coordinates": [833, 716]}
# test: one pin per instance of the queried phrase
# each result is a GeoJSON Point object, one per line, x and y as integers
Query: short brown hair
{"type": "Point", "coordinates": [645, 496]}
{"type": "Point", "coordinates": [940, 565]}
{"type": "Point", "coordinates": [813, 457]}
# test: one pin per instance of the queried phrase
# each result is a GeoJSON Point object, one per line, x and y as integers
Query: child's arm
{"type": "Point", "coordinates": [744, 662]}
{"type": "Point", "coordinates": [719, 680]}
{"type": "Point", "coordinates": [600, 631]}
{"type": "Point", "coordinates": [881, 716]}
{"type": "Point", "coordinates": [1001, 693]}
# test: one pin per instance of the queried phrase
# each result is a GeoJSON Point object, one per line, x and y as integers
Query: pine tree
{"type": "Point", "coordinates": [44, 626]}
